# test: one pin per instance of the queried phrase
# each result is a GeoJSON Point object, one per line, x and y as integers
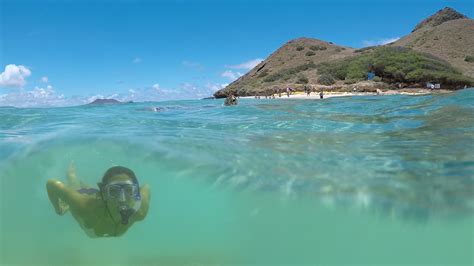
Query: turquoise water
{"type": "Point", "coordinates": [344, 181]}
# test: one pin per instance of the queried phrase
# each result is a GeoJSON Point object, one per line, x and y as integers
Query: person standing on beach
{"type": "Point", "coordinates": [288, 90]}
{"type": "Point", "coordinates": [321, 95]}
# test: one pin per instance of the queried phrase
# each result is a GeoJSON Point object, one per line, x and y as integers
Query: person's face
{"type": "Point", "coordinates": [120, 191]}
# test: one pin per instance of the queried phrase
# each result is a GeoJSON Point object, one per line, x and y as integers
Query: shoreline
{"type": "Point", "coordinates": [331, 94]}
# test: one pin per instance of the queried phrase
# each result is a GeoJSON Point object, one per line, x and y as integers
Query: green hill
{"type": "Point", "coordinates": [439, 49]}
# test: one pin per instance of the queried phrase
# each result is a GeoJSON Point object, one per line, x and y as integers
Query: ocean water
{"type": "Point", "coordinates": [343, 181]}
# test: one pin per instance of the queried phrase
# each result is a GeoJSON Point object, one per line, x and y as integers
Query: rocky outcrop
{"type": "Point", "coordinates": [442, 16]}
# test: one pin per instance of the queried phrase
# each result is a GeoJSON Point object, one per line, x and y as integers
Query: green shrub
{"type": "Point", "coordinates": [305, 67]}
{"type": "Point", "coordinates": [272, 77]}
{"type": "Point", "coordinates": [302, 79]}
{"type": "Point", "coordinates": [264, 73]}
{"type": "Point", "coordinates": [300, 48]}
{"type": "Point", "coordinates": [469, 58]}
{"type": "Point", "coordinates": [377, 79]}
{"type": "Point", "coordinates": [286, 74]}
{"type": "Point", "coordinates": [326, 79]}
{"type": "Point", "coordinates": [317, 47]}
{"type": "Point", "coordinates": [310, 53]}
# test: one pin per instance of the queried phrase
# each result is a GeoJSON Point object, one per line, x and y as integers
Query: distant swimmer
{"type": "Point", "coordinates": [156, 109]}
{"type": "Point", "coordinates": [108, 211]}
{"type": "Point", "coordinates": [231, 100]}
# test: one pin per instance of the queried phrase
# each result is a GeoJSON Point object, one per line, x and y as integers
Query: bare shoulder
{"type": "Point", "coordinates": [145, 191]}
{"type": "Point", "coordinates": [145, 195]}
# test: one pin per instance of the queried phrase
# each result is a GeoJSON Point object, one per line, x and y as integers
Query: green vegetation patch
{"type": "Point", "coordinates": [264, 73]}
{"type": "Point", "coordinates": [469, 58]}
{"type": "Point", "coordinates": [286, 74]}
{"type": "Point", "coordinates": [300, 48]}
{"type": "Point", "coordinates": [326, 79]}
{"type": "Point", "coordinates": [317, 47]}
{"type": "Point", "coordinates": [310, 53]}
{"type": "Point", "coordinates": [302, 79]}
{"type": "Point", "coordinates": [396, 64]}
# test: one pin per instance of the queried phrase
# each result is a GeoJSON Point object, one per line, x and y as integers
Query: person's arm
{"type": "Point", "coordinates": [143, 211]}
{"type": "Point", "coordinates": [60, 196]}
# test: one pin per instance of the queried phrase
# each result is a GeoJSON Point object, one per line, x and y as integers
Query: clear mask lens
{"type": "Point", "coordinates": [115, 191]}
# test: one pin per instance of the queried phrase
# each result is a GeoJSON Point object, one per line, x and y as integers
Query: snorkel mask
{"type": "Point", "coordinates": [122, 192]}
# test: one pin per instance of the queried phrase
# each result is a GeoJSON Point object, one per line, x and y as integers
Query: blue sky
{"type": "Point", "coordinates": [68, 52]}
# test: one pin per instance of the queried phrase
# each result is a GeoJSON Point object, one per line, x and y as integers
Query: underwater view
{"type": "Point", "coordinates": [345, 181]}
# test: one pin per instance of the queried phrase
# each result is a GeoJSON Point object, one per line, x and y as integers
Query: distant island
{"type": "Point", "coordinates": [106, 101]}
{"type": "Point", "coordinates": [439, 52]}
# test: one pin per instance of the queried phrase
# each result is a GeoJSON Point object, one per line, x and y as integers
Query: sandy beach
{"type": "Point", "coordinates": [330, 94]}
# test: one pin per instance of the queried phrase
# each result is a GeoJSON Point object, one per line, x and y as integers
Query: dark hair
{"type": "Point", "coordinates": [117, 170]}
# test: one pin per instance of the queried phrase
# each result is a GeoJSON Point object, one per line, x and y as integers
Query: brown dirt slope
{"type": "Point", "coordinates": [293, 55]}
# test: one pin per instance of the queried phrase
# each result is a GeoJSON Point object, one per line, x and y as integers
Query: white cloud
{"type": "Point", "coordinates": [44, 79]}
{"type": "Point", "coordinates": [380, 41]}
{"type": "Point", "coordinates": [43, 93]}
{"type": "Point", "coordinates": [156, 86]}
{"type": "Point", "coordinates": [213, 87]}
{"type": "Point", "coordinates": [47, 96]}
{"type": "Point", "coordinates": [247, 65]}
{"type": "Point", "coordinates": [93, 98]}
{"type": "Point", "coordinates": [38, 97]}
{"type": "Point", "coordinates": [185, 90]}
{"type": "Point", "coordinates": [14, 76]}
{"type": "Point", "coordinates": [137, 60]}
{"type": "Point", "coordinates": [231, 75]}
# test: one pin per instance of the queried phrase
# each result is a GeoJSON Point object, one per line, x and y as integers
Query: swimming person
{"type": "Point", "coordinates": [231, 100]}
{"type": "Point", "coordinates": [108, 211]}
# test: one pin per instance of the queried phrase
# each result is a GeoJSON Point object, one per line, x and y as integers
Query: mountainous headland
{"type": "Point", "coordinates": [106, 101]}
{"type": "Point", "coordinates": [439, 50]}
